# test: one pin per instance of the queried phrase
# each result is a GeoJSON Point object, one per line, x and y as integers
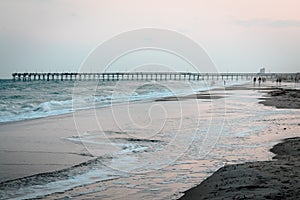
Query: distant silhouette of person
{"type": "Point", "coordinates": [224, 82]}
{"type": "Point", "coordinates": [279, 80]}
{"type": "Point", "coordinates": [259, 80]}
{"type": "Point", "coordinates": [254, 80]}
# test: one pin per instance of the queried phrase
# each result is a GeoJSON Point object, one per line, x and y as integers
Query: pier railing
{"type": "Point", "coordinates": [157, 76]}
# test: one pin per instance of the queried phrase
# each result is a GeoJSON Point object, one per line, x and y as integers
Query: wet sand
{"type": "Point", "coordinates": [275, 179]}
{"type": "Point", "coordinates": [38, 146]}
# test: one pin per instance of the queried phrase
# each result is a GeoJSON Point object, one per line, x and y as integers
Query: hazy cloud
{"type": "Point", "coordinates": [51, 35]}
{"type": "Point", "coordinates": [269, 23]}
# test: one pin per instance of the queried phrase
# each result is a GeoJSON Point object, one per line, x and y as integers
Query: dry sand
{"type": "Point", "coordinates": [276, 179]}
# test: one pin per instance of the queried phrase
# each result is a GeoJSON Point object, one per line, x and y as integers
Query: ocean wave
{"type": "Point", "coordinates": [89, 172]}
{"type": "Point", "coordinates": [58, 97]}
{"type": "Point", "coordinates": [43, 184]}
{"type": "Point", "coordinates": [53, 105]}
{"type": "Point", "coordinates": [24, 111]}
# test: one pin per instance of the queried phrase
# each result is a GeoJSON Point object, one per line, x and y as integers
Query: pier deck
{"type": "Point", "coordinates": [121, 76]}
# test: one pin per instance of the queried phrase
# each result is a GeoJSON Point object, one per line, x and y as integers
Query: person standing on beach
{"type": "Point", "coordinates": [254, 80]}
{"type": "Point", "coordinates": [259, 80]}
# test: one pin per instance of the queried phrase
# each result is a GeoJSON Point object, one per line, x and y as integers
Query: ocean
{"type": "Point", "coordinates": [34, 99]}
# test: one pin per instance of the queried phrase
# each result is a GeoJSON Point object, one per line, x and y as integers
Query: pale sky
{"type": "Point", "coordinates": [238, 35]}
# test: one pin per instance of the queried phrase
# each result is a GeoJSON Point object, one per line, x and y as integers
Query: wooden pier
{"type": "Point", "coordinates": [157, 76]}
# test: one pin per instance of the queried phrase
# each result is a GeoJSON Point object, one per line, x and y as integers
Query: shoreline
{"type": "Point", "coordinates": [46, 138]}
{"type": "Point", "coordinates": [275, 179]}
{"type": "Point", "coordinates": [198, 95]}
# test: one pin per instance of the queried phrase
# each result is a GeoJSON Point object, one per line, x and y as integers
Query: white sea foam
{"type": "Point", "coordinates": [36, 100]}
{"type": "Point", "coordinates": [35, 191]}
{"type": "Point", "coordinates": [17, 103]}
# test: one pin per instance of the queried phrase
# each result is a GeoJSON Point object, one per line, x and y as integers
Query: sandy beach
{"type": "Point", "coordinates": [274, 179]}
{"type": "Point", "coordinates": [149, 100]}
{"type": "Point", "coordinates": [53, 158]}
